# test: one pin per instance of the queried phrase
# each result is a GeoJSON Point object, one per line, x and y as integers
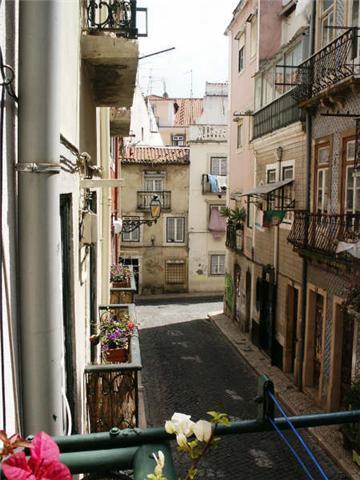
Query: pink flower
{"type": "Point", "coordinates": [44, 462]}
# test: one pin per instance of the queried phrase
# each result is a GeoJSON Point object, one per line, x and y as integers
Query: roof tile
{"type": "Point", "coordinates": [155, 155]}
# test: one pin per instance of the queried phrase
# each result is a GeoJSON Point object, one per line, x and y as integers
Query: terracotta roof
{"type": "Point", "coordinates": [188, 109]}
{"type": "Point", "coordinates": [156, 155]}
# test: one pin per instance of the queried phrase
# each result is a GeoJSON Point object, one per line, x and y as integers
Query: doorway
{"type": "Point", "coordinates": [292, 319]}
{"type": "Point", "coordinates": [237, 296]}
{"type": "Point", "coordinates": [247, 301]}
{"type": "Point", "coordinates": [67, 300]}
{"type": "Point", "coordinates": [136, 268]}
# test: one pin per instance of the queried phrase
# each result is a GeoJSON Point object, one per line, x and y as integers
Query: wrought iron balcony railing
{"type": "Point", "coordinates": [234, 237]}
{"type": "Point", "coordinates": [281, 112]}
{"type": "Point", "coordinates": [321, 233]}
{"type": "Point", "coordinates": [118, 16]}
{"type": "Point", "coordinates": [329, 66]}
{"type": "Point", "coordinates": [144, 199]}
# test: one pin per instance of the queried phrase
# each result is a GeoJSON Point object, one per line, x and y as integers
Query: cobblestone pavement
{"type": "Point", "coordinates": [189, 367]}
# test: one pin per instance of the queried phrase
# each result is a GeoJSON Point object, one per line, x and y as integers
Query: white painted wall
{"type": "Point", "coordinates": [142, 123]}
{"type": "Point", "coordinates": [201, 242]}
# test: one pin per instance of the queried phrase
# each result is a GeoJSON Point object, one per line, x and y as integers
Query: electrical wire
{"type": "Point", "coordinates": [297, 435]}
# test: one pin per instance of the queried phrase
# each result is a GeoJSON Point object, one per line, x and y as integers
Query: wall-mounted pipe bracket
{"type": "Point", "coordinates": [38, 167]}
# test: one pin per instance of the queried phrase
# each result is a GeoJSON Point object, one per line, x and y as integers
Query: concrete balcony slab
{"type": "Point", "coordinates": [112, 62]}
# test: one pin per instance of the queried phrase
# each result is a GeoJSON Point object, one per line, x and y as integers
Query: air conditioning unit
{"type": "Point", "coordinates": [89, 228]}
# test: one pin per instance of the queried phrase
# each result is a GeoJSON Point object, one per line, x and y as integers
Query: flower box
{"type": "Point", "coordinates": [120, 275]}
{"type": "Point", "coordinates": [123, 293]}
{"type": "Point", "coordinates": [116, 327]}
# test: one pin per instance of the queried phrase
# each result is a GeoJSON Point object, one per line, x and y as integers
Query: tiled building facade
{"type": "Point", "coordinates": [289, 284]}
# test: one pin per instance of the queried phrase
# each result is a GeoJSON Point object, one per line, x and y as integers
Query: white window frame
{"type": "Point", "coordinates": [253, 36]}
{"type": "Point", "coordinates": [178, 140]}
{"type": "Point", "coordinates": [355, 187]}
{"type": "Point", "coordinates": [241, 53]}
{"type": "Point", "coordinates": [217, 264]}
{"type": "Point", "coordinates": [322, 170]}
{"type": "Point", "coordinates": [152, 179]}
{"type": "Point", "coordinates": [221, 162]}
{"type": "Point", "coordinates": [178, 239]}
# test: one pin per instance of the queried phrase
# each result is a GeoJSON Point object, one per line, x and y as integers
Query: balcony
{"type": "Point", "coordinates": [321, 233]}
{"type": "Point", "coordinates": [281, 112]}
{"type": "Point", "coordinates": [207, 133]}
{"type": "Point", "coordinates": [331, 70]}
{"type": "Point", "coordinates": [119, 121]}
{"type": "Point", "coordinates": [110, 50]}
{"type": "Point", "coordinates": [144, 199]}
{"type": "Point", "coordinates": [217, 187]}
{"type": "Point", "coordinates": [112, 388]}
{"type": "Point", "coordinates": [234, 237]}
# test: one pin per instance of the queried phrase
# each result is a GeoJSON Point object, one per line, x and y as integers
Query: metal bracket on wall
{"type": "Point", "coordinates": [38, 167]}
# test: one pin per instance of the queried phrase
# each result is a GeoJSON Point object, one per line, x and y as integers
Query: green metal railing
{"type": "Point", "coordinates": [131, 449]}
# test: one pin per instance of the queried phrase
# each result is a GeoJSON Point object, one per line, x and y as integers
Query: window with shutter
{"type": "Point", "coordinates": [175, 272]}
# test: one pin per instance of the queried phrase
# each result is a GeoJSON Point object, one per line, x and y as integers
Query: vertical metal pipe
{"type": "Point", "coordinates": [307, 172]}
{"type": "Point", "coordinates": [39, 220]}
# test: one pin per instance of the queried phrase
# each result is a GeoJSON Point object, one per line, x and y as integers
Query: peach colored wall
{"type": "Point", "coordinates": [241, 99]}
{"type": "Point", "coordinates": [270, 28]}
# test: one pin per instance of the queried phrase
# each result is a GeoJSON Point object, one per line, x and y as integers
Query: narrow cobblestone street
{"type": "Point", "coordinates": [189, 367]}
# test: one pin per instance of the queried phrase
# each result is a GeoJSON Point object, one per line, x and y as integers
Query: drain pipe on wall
{"type": "Point", "coordinates": [39, 215]}
{"type": "Point", "coordinates": [308, 126]}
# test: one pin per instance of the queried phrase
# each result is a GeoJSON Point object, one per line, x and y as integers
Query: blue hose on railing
{"type": "Point", "coordinates": [299, 438]}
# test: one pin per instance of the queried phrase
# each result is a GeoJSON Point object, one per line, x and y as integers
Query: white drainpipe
{"type": "Point", "coordinates": [39, 221]}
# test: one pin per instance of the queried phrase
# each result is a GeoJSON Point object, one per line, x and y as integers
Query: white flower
{"type": "Point", "coordinates": [182, 424]}
{"type": "Point", "coordinates": [170, 427]}
{"type": "Point", "coordinates": [181, 440]}
{"type": "Point", "coordinates": [160, 463]}
{"type": "Point", "coordinates": [202, 430]}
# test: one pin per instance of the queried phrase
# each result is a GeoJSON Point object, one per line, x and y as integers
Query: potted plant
{"type": "Point", "coordinates": [114, 336]}
{"type": "Point", "coordinates": [351, 431]}
{"type": "Point", "coordinates": [235, 217]}
{"type": "Point", "coordinates": [120, 275]}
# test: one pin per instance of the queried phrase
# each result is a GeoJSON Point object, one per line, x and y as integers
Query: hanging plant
{"type": "Point", "coordinates": [235, 216]}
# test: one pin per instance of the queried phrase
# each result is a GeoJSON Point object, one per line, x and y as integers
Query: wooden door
{"type": "Point", "coordinates": [346, 356]}
{"type": "Point", "coordinates": [248, 301]}
{"type": "Point", "coordinates": [237, 296]}
{"type": "Point", "coordinates": [318, 338]}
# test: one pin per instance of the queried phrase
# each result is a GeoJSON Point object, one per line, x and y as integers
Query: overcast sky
{"type": "Point", "coordinates": [196, 28]}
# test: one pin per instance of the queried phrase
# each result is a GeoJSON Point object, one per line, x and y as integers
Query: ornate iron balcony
{"type": "Point", "coordinates": [118, 16]}
{"type": "Point", "coordinates": [144, 199]}
{"type": "Point", "coordinates": [234, 237]}
{"type": "Point", "coordinates": [281, 112]}
{"type": "Point", "coordinates": [321, 233]}
{"type": "Point", "coordinates": [329, 66]}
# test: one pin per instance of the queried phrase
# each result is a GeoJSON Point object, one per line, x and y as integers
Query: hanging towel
{"type": "Point", "coordinates": [214, 185]}
{"type": "Point", "coordinates": [217, 223]}
{"type": "Point", "coordinates": [221, 179]}
{"type": "Point", "coordinates": [352, 248]}
{"type": "Point", "coordinates": [273, 217]}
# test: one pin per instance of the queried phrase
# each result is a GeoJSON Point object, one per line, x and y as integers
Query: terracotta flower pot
{"type": "Point", "coordinates": [116, 355]}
